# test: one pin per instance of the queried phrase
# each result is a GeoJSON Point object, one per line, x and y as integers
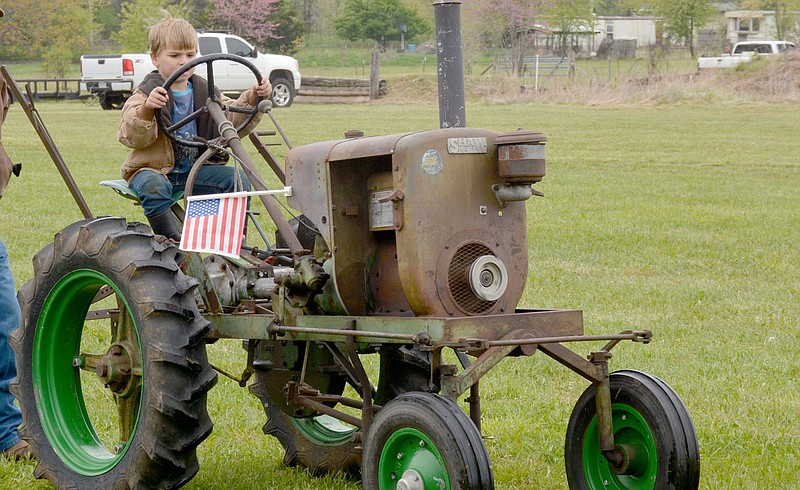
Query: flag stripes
{"type": "Point", "coordinates": [214, 225]}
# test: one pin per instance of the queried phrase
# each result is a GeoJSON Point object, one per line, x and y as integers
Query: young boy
{"type": "Point", "coordinates": [156, 168]}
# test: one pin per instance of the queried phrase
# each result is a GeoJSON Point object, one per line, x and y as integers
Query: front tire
{"type": "Point", "coordinates": [653, 425]}
{"type": "Point", "coordinates": [282, 92]}
{"type": "Point", "coordinates": [120, 407]}
{"type": "Point", "coordinates": [425, 440]}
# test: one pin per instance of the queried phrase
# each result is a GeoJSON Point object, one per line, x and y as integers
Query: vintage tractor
{"type": "Point", "coordinates": [411, 248]}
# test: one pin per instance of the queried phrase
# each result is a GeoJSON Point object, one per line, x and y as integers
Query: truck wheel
{"type": "Point", "coordinates": [119, 404]}
{"type": "Point", "coordinates": [424, 440]}
{"type": "Point", "coordinates": [317, 442]}
{"type": "Point", "coordinates": [111, 102]}
{"type": "Point", "coordinates": [651, 425]}
{"type": "Point", "coordinates": [282, 92]}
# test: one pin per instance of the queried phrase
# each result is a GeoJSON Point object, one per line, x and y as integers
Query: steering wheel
{"type": "Point", "coordinates": [170, 131]}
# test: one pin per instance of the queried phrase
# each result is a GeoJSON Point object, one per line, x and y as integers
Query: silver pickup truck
{"type": "Point", "coordinates": [113, 78]}
{"type": "Point", "coordinates": [744, 51]}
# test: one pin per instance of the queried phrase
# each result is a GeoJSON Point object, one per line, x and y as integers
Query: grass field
{"type": "Point", "coordinates": [682, 219]}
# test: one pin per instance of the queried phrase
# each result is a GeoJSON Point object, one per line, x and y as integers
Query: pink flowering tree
{"type": "Point", "coordinates": [509, 24]}
{"type": "Point", "coordinates": [250, 19]}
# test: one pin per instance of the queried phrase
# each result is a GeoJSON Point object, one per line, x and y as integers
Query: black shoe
{"type": "Point", "coordinates": [164, 223]}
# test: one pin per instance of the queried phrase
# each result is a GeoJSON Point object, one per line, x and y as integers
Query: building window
{"type": "Point", "coordinates": [610, 30]}
{"type": "Point", "coordinates": [747, 24]}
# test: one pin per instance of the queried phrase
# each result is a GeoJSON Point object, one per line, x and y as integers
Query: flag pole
{"type": "Point", "coordinates": [286, 191]}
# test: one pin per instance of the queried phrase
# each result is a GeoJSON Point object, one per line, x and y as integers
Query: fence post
{"type": "Point", "coordinates": [536, 74]}
{"type": "Point", "coordinates": [374, 76]}
{"type": "Point", "coordinates": [571, 71]}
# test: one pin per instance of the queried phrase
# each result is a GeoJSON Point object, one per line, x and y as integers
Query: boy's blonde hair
{"type": "Point", "coordinates": [173, 34]}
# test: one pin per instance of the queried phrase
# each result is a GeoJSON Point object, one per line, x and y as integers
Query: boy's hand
{"type": "Point", "coordinates": [157, 98]}
{"type": "Point", "coordinates": [263, 89]}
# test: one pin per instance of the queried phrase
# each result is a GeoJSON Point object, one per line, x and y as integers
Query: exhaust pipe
{"type": "Point", "coordinates": [450, 63]}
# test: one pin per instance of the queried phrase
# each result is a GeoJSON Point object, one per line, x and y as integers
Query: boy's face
{"type": "Point", "coordinates": [168, 60]}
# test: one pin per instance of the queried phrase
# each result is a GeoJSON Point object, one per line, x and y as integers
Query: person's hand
{"type": "Point", "coordinates": [157, 99]}
{"type": "Point", "coordinates": [263, 89]}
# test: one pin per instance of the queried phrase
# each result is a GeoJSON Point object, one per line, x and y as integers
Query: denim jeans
{"type": "Point", "coordinates": [10, 415]}
{"type": "Point", "coordinates": [156, 192]}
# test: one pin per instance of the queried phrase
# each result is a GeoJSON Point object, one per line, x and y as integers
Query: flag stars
{"type": "Point", "coordinates": [206, 207]}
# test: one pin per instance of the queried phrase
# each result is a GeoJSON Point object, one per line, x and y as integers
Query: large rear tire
{"type": "Point", "coordinates": [121, 407]}
{"type": "Point", "coordinates": [317, 442]}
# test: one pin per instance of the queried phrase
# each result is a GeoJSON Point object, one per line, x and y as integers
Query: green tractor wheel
{"type": "Point", "coordinates": [317, 442]}
{"type": "Point", "coordinates": [112, 368]}
{"type": "Point", "coordinates": [651, 426]}
{"type": "Point", "coordinates": [425, 441]}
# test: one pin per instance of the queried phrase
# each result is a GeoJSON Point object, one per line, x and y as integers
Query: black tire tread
{"type": "Point", "coordinates": [476, 472]}
{"type": "Point", "coordinates": [682, 471]}
{"type": "Point", "coordinates": [173, 418]}
{"type": "Point", "coordinates": [300, 451]}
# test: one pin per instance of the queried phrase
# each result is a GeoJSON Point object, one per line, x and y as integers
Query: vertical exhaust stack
{"type": "Point", "coordinates": [450, 63]}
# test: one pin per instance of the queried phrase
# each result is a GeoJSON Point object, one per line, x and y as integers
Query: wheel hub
{"type": "Point", "coordinates": [117, 371]}
{"type": "Point", "coordinates": [410, 481]}
{"type": "Point", "coordinates": [624, 460]}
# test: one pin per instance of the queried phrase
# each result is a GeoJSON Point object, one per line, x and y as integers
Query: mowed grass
{"type": "Point", "coordinates": [682, 219]}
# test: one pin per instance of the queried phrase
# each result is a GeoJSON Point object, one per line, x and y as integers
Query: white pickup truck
{"type": "Point", "coordinates": [113, 78]}
{"type": "Point", "coordinates": [744, 51]}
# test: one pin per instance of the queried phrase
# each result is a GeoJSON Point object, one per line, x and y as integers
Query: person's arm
{"type": "Point", "coordinates": [137, 128]}
{"type": "Point", "coordinates": [248, 99]}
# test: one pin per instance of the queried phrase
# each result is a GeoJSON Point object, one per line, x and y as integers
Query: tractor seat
{"type": "Point", "coordinates": [121, 188]}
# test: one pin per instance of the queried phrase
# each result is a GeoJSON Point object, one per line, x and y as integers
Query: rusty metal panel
{"type": "Point", "coordinates": [439, 207]}
{"type": "Point", "coordinates": [538, 323]}
{"type": "Point", "coordinates": [521, 156]}
{"type": "Point", "coordinates": [366, 147]}
{"type": "Point", "coordinates": [450, 216]}
{"type": "Point", "coordinates": [306, 169]}
{"type": "Point", "coordinates": [334, 177]}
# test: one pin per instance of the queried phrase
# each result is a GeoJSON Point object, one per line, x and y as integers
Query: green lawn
{"type": "Point", "coordinates": [682, 219]}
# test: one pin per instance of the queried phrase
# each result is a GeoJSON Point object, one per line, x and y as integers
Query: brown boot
{"type": "Point", "coordinates": [20, 450]}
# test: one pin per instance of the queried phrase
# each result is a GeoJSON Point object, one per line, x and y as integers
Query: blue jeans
{"type": "Point", "coordinates": [10, 415]}
{"type": "Point", "coordinates": [155, 191]}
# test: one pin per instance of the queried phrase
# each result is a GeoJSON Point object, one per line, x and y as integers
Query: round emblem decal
{"type": "Point", "coordinates": [432, 162]}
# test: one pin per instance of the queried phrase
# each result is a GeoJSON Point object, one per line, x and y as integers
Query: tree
{"type": "Point", "coordinates": [509, 24]}
{"type": "Point", "coordinates": [571, 18]}
{"type": "Point", "coordinates": [786, 17]}
{"type": "Point", "coordinates": [54, 32]}
{"type": "Point", "coordinates": [611, 7]}
{"type": "Point", "coordinates": [250, 19]}
{"type": "Point", "coordinates": [288, 35]}
{"type": "Point", "coordinates": [139, 15]}
{"type": "Point", "coordinates": [309, 11]}
{"type": "Point", "coordinates": [682, 17]}
{"type": "Point", "coordinates": [380, 21]}
{"type": "Point", "coordinates": [64, 39]}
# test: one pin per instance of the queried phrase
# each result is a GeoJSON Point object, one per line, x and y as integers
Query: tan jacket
{"type": "Point", "coordinates": [151, 149]}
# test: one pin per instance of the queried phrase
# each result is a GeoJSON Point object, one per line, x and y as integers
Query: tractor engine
{"type": "Point", "coordinates": [431, 223]}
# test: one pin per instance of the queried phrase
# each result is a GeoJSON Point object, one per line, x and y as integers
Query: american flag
{"type": "Point", "coordinates": [214, 225]}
